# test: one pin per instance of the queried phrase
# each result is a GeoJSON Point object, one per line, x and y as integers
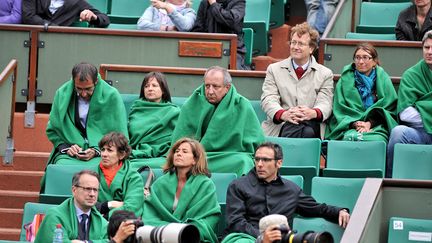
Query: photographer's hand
{"type": "Point", "coordinates": [271, 234]}
{"type": "Point", "coordinates": [125, 229]}
{"type": "Point", "coordinates": [344, 218]}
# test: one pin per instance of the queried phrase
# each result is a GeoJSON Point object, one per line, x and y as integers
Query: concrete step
{"type": "Point", "coordinates": [31, 139]}
{"type": "Point", "coordinates": [27, 161]}
{"type": "Point", "coordinates": [17, 199]}
{"type": "Point", "coordinates": [10, 234]}
{"type": "Point", "coordinates": [11, 218]}
{"type": "Point", "coordinates": [20, 180]}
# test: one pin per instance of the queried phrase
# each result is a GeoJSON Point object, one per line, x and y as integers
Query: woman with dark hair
{"type": "Point", "coordinates": [185, 193]}
{"type": "Point", "coordinates": [364, 106]}
{"type": "Point", "coordinates": [121, 187]}
{"type": "Point", "coordinates": [152, 121]}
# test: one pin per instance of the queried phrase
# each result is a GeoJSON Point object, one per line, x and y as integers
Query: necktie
{"type": "Point", "coordinates": [299, 72]}
{"type": "Point", "coordinates": [82, 226]}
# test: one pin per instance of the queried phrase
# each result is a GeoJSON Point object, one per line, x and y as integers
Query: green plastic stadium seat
{"type": "Point", "coordinates": [248, 41]}
{"type": "Point", "coordinates": [379, 17]}
{"type": "Point", "coordinates": [101, 5]}
{"type": "Point", "coordinates": [179, 100]}
{"type": "Point", "coordinates": [123, 26]}
{"type": "Point", "coordinates": [257, 17]}
{"type": "Point", "coordinates": [221, 224]}
{"type": "Point", "coordinates": [127, 11]}
{"type": "Point", "coordinates": [342, 192]}
{"type": "Point", "coordinates": [59, 182]}
{"type": "Point", "coordinates": [355, 159]}
{"type": "Point", "coordinates": [128, 100]}
{"type": "Point", "coordinates": [277, 13]}
{"type": "Point", "coordinates": [367, 36]}
{"type": "Point", "coordinates": [405, 167]}
{"type": "Point", "coordinates": [30, 209]}
{"type": "Point", "coordinates": [222, 181]}
{"type": "Point", "coordinates": [80, 24]}
{"type": "Point", "coordinates": [297, 179]}
{"type": "Point", "coordinates": [405, 230]}
{"type": "Point", "coordinates": [301, 157]}
{"type": "Point", "coordinates": [196, 4]}
{"type": "Point", "coordinates": [256, 104]}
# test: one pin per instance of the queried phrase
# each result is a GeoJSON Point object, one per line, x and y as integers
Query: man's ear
{"type": "Point", "coordinates": [278, 163]}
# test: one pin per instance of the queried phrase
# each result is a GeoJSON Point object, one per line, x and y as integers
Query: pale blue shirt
{"type": "Point", "coordinates": [412, 117]}
{"type": "Point", "coordinates": [83, 108]}
{"type": "Point", "coordinates": [304, 66]}
{"type": "Point", "coordinates": [79, 212]}
{"type": "Point", "coordinates": [55, 5]}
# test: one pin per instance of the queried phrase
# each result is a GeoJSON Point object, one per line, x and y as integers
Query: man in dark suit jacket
{"type": "Point", "coordinates": [61, 12]}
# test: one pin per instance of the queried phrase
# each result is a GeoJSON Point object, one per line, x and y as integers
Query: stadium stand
{"type": "Point", "coordinates": [412, 161]}
{"type": "Point", "coordinates": [403, 230]}
{"type": "Point", "coordinates": [257, 17]}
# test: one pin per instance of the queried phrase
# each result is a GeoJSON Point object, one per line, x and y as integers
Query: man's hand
{"type": "Point", "coordinates": [115, 204]}
{"type": "Point", "coordinates": [292, 115]}
{"type": "Point", "coordinates": [87, 15]}
{"type": "Point", "coordinates": [362, 126]}
{"type": "Point", "coordinates": [73, 150]}
{"type": "Point", "coordinates": [271, 234]}
{"type": "Point", "coordinates": [77, 152]}
{"type": "Point", "coordinates": [307, 113]}
{"type": "Point", "coordinates": [125, 229]}
{"type": "Point", "coordinates": [211, 1]}
{"type": "Point", "coordinates": [344, 218]}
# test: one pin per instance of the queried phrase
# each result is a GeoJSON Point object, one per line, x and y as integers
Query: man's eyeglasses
{"type": "Point", "coordinates": [88, 189]}
{"type": "Point", "coordinates": [265, 160]}
{"type": "Point", "coordinates": [300, 44]}
{"type": "Point", "coordinates": [364, 58]}
{"type": "Point", "coordinates": [85, 90]}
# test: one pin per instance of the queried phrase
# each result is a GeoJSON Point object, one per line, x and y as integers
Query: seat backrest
{"type": "Point", "coordinates": [368, 36]}
{"type": "Point", "coordinates": [101, 5]}
{"type": "Point", "coordinates": [30, 209]}
{"type": "Point", "coordinates": [128, 100]}
{"type": "Point", "coordinates": [341, 192]}
{"type": "Point", "coordinates": [381, 14]}
{"type": "Point", "coordinates": [299, 151]}
{"type": "Point", "coordinates": [403, 230]}
{"type": "Point", "coordinates": [412, 161]}
{"type": "Point", "coordinates": [222, 181]}
{"type": "Point", "coordinates": [248, 41]}
{"type": "Point", "coordinates": [132, 8]}
{"type": "Point", "coordinates": [318, 225]}
{"type": "Point", "coordinates": [258, 10]}
{"type": "Point", "coordinates": [297, 179]}
{"type": "Point", "coordinates": [356, 155]}
{"type": "Point", "coordinates": [256, 105]}
{"type": "Point", "coordinates": [59, 178]}
{"type": "Point", "coordinates": [179, 101]}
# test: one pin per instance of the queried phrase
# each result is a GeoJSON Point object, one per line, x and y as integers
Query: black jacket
{"type": "Point", "coordinates": [249, 199]}
{"type": "Point", "coordinates": [407, 27]}
{"type": "Point", "coordinates": [36, 12]}
{"type": "Point", "coordinates": [224, 16]}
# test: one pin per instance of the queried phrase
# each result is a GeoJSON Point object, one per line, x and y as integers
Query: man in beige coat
{"type": "Point", "coordinates": [297, 92]}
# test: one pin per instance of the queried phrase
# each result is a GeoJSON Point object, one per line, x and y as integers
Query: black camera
{"type": "Point", "coordinates": [289, 236]}
{"type": "Point", "coordinates": [132, 238]}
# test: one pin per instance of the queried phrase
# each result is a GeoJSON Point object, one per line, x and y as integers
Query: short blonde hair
{"type": "Point", "coordinates": [199, 155]}
{"type": "Point", "coordinates": [305, 28]}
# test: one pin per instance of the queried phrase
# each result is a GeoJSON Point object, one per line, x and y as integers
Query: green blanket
{"type": "Point", "coordinates": [348, 107]}
{"type": "Point", "coordinates": [416, 90]}
{"type": "Point", "coordinates": [229, 132]}
{"type": "Point", "coordinates": [65, 214]}
{"type": "Point", "coordinates": [197, 204]}
{"type": "Point", "coordinates": [106, 114]}
{"type": "Point", "coordinates": [127, 187]}
{"type": "Point", "coordinates": [238, 238]}
{"type": "Point", "coordinates": [150, 128]}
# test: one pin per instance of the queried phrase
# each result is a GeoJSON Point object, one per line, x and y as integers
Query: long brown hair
{"type": "Point", "coordinates": [199, 155]}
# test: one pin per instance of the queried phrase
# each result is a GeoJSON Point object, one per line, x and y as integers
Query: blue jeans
{"type": "Point", "coordinates": [404, 134]}
{"type": "Point", "coordinates": [319, 13]}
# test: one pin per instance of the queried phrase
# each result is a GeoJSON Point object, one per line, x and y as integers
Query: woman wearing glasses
{"type": "Point", "coordinates": [185, 193]}
{"type": "Point", "coordinates": [364, 106]}
{"type": "Point", "coordinates": [121, 187]}
{"type": "Point", "coordinates": [152, 121]}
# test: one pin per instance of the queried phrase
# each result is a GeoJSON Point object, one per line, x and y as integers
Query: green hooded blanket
{"type": "Point", "coordinates": [229, 131]}
{"type": "Point", "coordinates": [197, 204]}
{"type": "Point", "coordinates": [348, 107]}
{"type": "Point", "coordinates": [151, 125]}
{"type": "Point", "coordinates": [65, 214]}
{"type": "Point", "coordinates": [416, 90]}
{"type": "Point", "coordinates": [127, 187]}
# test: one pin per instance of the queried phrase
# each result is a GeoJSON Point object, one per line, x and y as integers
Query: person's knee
{"type": "Point", "coordinates": [308, 132]}
{"type": "Point", "coordinates": [400, 134]}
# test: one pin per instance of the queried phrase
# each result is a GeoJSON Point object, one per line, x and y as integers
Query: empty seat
{"type": "Point", "coordinates": [412, 161]}
{"type": "Point", "coordinates": [257, 17]}
{"type": "Point", "coordinates": [379, 17]}
{"type": "Point", "coordinates": [297, 179]}
{"type": "Point", "coordinates": [179, 101]}
{"type": "Point", "coordinates": [101, 5]}
{"type": "Point", "coordinates": [127, 11]}
{"type": "Point", "coordinates": [367, 36]}
{"type": "Point", "coordinates": [30, 209]}
{"type": "Point", "coordinates": [403, 230]}
{"type": "Point", "coordinates": [277, 13]}
{"type": "Point", "coordinates": [256, 104]}
{"type": "Point", "coordinates": [355, 159]}
{"type": "Point", "coordinates": [301, 157]}
{"type": "Point", "coordinates": [341, 192]}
